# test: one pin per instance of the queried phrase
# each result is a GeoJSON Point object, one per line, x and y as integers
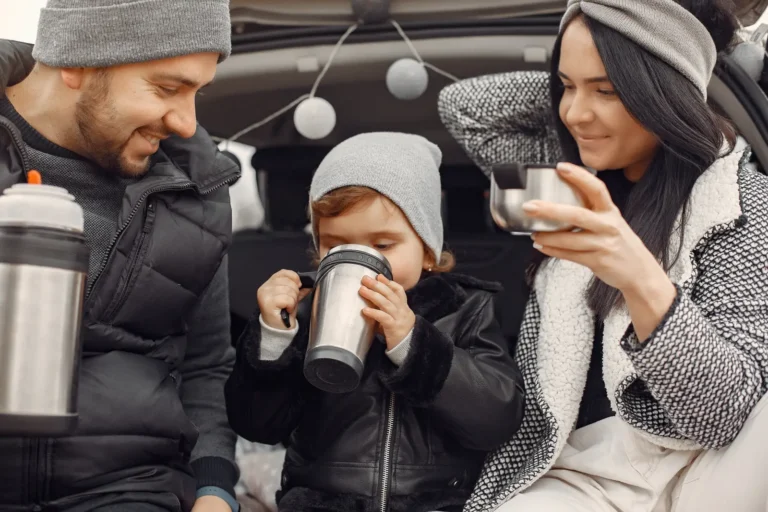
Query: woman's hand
{"type": "Point", "coordinates": [391, 309]}
{"type": "Point", "coordinates": [607, 246]}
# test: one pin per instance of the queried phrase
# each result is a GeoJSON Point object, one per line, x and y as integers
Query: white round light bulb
{"type": "Point", "coordinates": [750, 56]}
{"type": "Point", "coordinates": [315, 118]}
{"type": "Point", "coordinates": [407, 79]}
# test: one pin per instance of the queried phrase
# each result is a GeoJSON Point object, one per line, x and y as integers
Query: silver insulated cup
{"type": "Point", "coordinates": [512, 185]}
{"type": "Point", "coordinates": [339, 334]}
{"type": "Point", "coordinates": [43, 266]}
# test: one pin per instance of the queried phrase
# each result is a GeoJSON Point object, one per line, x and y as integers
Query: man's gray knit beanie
{"type": "Point", "coordinates": [104, 33]}
{"type": "Point", "coordinates": [400, 166]}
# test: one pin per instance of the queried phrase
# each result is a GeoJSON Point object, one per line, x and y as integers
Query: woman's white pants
{"type": "Point", "coordinates": [607, 467]}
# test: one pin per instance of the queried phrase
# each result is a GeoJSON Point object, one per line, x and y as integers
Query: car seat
{"type": "Point", "coordinates": [286, 174]}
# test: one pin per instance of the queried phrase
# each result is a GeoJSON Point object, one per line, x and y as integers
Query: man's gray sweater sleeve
{"type": "Point", "coordinates": [207, 365]}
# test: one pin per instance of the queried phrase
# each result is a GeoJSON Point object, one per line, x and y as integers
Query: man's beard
{"type": "Point", "coordinates": [96, 118]}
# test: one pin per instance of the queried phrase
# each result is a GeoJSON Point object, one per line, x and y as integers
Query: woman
{"type": "Point", "coordinates": [661, 298]}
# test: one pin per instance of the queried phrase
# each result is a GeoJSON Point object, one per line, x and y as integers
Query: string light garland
{"type": "Point", "coordinates": [315, 117]}
{"type": "Point", "coordinates": [407, 79]}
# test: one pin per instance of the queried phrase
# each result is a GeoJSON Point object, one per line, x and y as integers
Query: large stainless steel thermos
{"type": "Point", "coordinates": [339, 335]}
{"type": "Point", "coordinates": [43, 266]}
{"type": "Point", "coordinates": [512, 185]}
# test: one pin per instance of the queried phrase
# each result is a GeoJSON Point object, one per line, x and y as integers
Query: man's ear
{"type": "Point", "coordinates": [73, 77]}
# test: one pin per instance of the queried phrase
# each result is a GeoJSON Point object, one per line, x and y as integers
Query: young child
{"type": "Point", "coordinates": [440, 390]}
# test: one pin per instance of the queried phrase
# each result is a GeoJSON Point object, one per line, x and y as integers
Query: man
{"type": "Point", "coordinates": [105, 107]}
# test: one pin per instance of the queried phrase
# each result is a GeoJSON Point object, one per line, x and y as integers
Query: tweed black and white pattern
{"type": "Point", "coordinates": [696, 379]}
{"type": "Point", "coordinates": [725, 309]}
{"type": "Point", "coordinates": [502, 118]}
{"type": "Point", "coordinates": [519, 462]}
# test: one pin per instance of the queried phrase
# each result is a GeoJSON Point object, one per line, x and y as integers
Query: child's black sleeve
{"type": "Point", "coordinates": [473, 386]}
{"type": "Point", "coordinates": [264, 398]}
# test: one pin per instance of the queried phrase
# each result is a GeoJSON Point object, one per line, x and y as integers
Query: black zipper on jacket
{"type": "Point", "coordinates": [32, 473]}
{"type": "Point", "coordinates": [386, 459]}
{"type": "Point", "coordinates": [37, 480]}
{"type": "Point", "coordinates": [120, 299]}
{"type": "Point", "coordinates": [135, 211]}
{"type": "Point", "coordinates": [18, 141]}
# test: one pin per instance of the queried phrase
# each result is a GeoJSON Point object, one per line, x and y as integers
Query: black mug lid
{"type": "Point", "coordinates": [357, 255]}
{"type": "Point", "coordinates": [354, 254]}
{"type": "Point", "coordinates": [514, 176]}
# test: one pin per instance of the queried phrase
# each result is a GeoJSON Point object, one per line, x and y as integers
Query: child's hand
{"type": "Point", "coordinates": [281, 291]}
{"type": "Point", "coordinates": [391, 312]}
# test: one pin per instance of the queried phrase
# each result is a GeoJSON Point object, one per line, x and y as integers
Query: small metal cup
{"type": "Point", "coordinates": [512, 185]}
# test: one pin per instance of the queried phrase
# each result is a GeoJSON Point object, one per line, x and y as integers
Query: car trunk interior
{"type": "Point", "coordinates": [339, 12]}
{"type": "Point", "coordinates": [272, 66]}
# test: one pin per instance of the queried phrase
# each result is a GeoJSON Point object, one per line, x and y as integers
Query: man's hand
{"type": "Point", "coordinates": [390, 309]}
{"type": "Point", "coordinates": [211, 504]}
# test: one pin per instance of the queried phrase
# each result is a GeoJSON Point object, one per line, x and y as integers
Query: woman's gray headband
{"type": "Point", "coordinates": [662, 27]}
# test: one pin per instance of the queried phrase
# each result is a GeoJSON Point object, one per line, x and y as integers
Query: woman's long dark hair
{"type": "Point", "coordinates": [691, 134]}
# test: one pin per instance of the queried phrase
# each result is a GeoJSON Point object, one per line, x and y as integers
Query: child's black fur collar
{"type": "Point", "coordinates": [439, 295]}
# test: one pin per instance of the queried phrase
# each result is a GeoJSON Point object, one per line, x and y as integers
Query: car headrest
{"type": "Point", "coordinates": [751, 57]}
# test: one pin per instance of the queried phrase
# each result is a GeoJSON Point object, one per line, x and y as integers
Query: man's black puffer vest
{"type": "Point", "coordinates": [174, 230]}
